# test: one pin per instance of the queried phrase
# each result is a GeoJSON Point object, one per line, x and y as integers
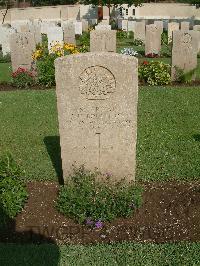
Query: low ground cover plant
{"type": "Point", "coordinates": [5, 58]}
{"type": "Point", "coordinates": [184, 77]}
{"type": "Point", "coordinates": [155, 73]}
{"type": "Point", "coordinates": [84, 42]}
{"type": "Point", "coordinates": [138, 42]}
{"type": "Point", "coordinates": [23, 78]}
{"type": "Point", "coordinates": [92, 202]}
{"type": "Point", "coordinates": [129, 51]}
{"type": "Point", "coordinates": [13, 193]}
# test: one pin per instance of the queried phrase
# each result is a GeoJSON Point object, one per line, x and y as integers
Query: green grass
{"type": "Point", "coordinates": [168, 133]}
{"type": "Point", "coordinates": [5, 72]}
{"type": "Point", "coordinates": [186, 254]}
{"type": "Point", "coordinates": [29, 130]}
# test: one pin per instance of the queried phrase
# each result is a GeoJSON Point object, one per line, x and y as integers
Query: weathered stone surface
{"type": "Point", "coordinates": [5, 32]}
{"type": "Point", "coordinates": [172, 26]}
{"type": "Point", "coordinates": [22, 46]}
{"type": "Point", "coordinates": [103, 27]}
{"type": "Point", "coordinates": [45, 25]}
{"type": "Point", "coordinates": [131, 25]}
{"type": "Point", "coordinates": [159, 25]}
{"type": "Point", "coordinates": [106, 12]}
{"type": "Point", "coordinates": [103, 41]}
{"type": "Point", "coordinates": [185, 26]}
{"type": "Point", "coordinates": [54, 35]}
{"type": "Point", "coordinates": [85, 25]}
{"type": "Point", "coordinates": [196, 27]}
{"type": "Point", "coordinates": [78, 27]}
{"type": "Point", "coordinates": [69, 32]}
{"type": "Point", "coordinates": [97, 96]}
{"type": "Point", "coordinates": [153, 39]}
{"type": "Point", "coordinates": [184, 51]}
{"type": "Point", "coordinates": [140, 31]}
{"type": "Point", "coordinates": [125, 25]}
{"type": "Point", "coordinates": [104, 22]}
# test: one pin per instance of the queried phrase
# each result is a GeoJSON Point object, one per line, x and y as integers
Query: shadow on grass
{"type": "Point", "coordinates": [196, 137]}
{"type": "Point", "coordinates": [21, 248]}
{"type": "Point", "coordinates": [52, 144]}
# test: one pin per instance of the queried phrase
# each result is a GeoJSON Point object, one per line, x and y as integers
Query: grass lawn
{"type": "Point", "coordinates": [117, 254]}
{"type": "Point", "coordinates": [168, 133]}
{"type": "Point", "coordinates": [5, 72]}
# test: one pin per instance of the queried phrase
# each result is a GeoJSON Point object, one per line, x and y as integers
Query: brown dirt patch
{"type": "Point", "coordinates": [170, 213]}
{"type": "Point", "coordinates": [9, 87]}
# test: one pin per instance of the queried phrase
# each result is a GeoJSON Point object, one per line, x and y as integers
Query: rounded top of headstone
{"type": "Point", "coordinates": [96, 55]}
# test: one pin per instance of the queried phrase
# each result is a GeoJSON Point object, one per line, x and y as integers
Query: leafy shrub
{"type": "Point", "coordinates": [13, 193]}
{"type": "Point", "coordinates": [138, 42]}
{"type": "Point", "coordinates": [23, 78]}
{"type": "Point", "coordinates": [93, 202]}
{"type": "Point", "coordinates": [129, 51]}
{"type": "Point", "coordinates": [184, 77]}
{"type": "Point", "coordinates": [46, 70]}
{"type": "Point", "coordinates": [84, 42]}
{"type": "Point", "coordinates": [45, 60]}
{"type": "Point", "coordinates": [5, 58]}
{"type": "Point", "coordinates": [113, 24]}
{"type": "Point", "coordinates": [155, 73]}
{"type": "Point", "coordinates": [121, 34]}
{"type": "Point", "coordinates": [130, 34]}
{"type": "Point", "coordinates": [164, 38]}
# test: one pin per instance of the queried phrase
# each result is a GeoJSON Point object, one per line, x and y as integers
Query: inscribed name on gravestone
{"type": "Point", "coordinates": [184, 51]}
{"type": "Point", "coordinates": [103, 41]}
{"type": "Point", "coordinates": [54, 35]}
{"type": "Point", "coordinates": [153, 40]}
{"type": "Point", "coordinates": [185, 25]}
{"type": "Point", "coordinates": [69, 32]}
{"type": "Point", "coordinates": [139, 33]}
{"type": "Point", "coordinates": [97, 96]}
{"type": "Point", "coordinates": [172, 26]}
{"type": "Point", "coordinates": [22, 46]}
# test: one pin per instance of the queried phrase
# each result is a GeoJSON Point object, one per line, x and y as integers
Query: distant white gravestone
{"type": "Point", "coordinates": [97, 95]}
{"type": "Point", "coordinates": [184, 51]}
{"type": "Point", "coordinates": [103, 41]}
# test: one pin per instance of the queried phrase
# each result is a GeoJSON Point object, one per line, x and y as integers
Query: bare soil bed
{"type": "Point", "coordinates": [170, 212]}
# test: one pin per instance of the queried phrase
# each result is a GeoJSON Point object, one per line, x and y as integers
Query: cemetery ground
{"type": "Point", "coordinates": [164, 231]}
{"type": "Point", "coordinates": [167, 167]}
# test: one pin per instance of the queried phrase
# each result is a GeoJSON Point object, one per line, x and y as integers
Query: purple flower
{"type": "Point", "coordinates": [132, 205]}
{"type": "Point", "coordinates": [108, 174]}
{"type": "Point", "coordinates": [89, 221]}
{"type": "Point", "coordinates": [98, 224]}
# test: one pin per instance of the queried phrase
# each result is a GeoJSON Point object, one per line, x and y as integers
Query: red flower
{"type": "Point", "coordinates": [145, 63]}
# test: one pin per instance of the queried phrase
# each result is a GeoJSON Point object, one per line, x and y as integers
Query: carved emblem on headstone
{"type": "Point", "coordinates": [187, 40]}
{"type": "Point", "coordinates": [97, 83]}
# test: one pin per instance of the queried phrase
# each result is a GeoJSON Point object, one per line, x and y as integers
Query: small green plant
{"type": "Point", "coordinates": [138, 42]}
{"type": "Point", "coordinates": [84, 42]}
{"type": "Point", "coordinates": [8, 167]}
{"type": "Point", "coordinates": [130, 34]}
{"type": "Point", "coordinates": [184, 77]}
{"type": "Point", "coordinates": [13, 193]}
{"type": "Point", "coordinates": [164, 38]}
{"type": "Point", "coordinates": [13, 196]}
{"type": "Point", "coordinates": [155, 73]}
{"type": "Point", "coordinates": [46, 70]}
{"type": "Point", "coordinates": [5, 58]}
{"type": "Point", "coordinates": [121, 34]}
{"type": "Point", "coordinates": [23, 78]}
{"type": "Point", "coordinates": [90, 201]}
